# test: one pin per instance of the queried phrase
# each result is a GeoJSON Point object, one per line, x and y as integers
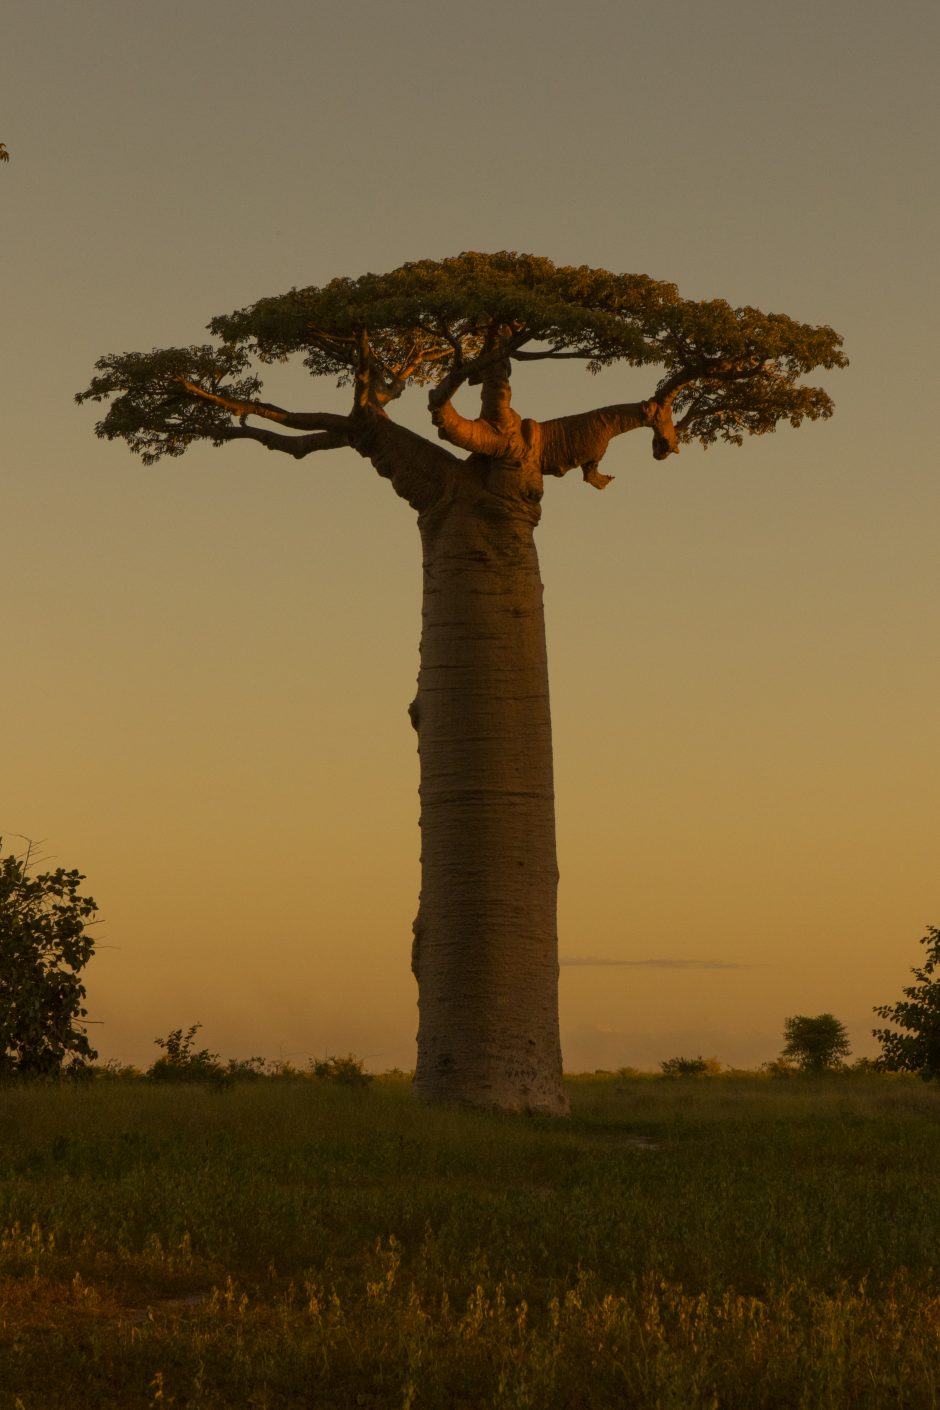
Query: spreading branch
{"type": "Point", "coordinates": [725, 372]}
{"type": "Point", "coordinates": [582, 440]}
{"type": "Point", "coordinates": [293, 420]}
{"type": "Point", "coordinates": [297, 446]}
{"type": "Point", "coordinates": [487, 434]}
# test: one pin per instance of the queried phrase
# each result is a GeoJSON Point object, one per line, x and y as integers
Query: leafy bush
{"type": "Point", "coordinates": [180, 1063]}
{"type": "Point", "coordinates": [781, 1067]}
{"type": "Point", "coordinates": [246, 1069]}
{"type": "Point", "coordinates": [917, 1047]}
{"type": "Point", "coordinates": [44, 944]}
{"type": "Point", "coordinates": [686, 1067]}
{"type": "Point", "coordinates": [347, 1071]}
{"type": "Point", "coordinates": [116, 1071]}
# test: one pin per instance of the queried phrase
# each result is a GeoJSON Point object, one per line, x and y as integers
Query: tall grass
{"type": "Point", "coordinates": [721, 1242]}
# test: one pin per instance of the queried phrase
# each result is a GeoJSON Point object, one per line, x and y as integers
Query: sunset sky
{"type": "Point", "coordinates": [207, 663]}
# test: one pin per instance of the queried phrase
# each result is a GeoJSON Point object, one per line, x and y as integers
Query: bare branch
{"type": "Point", "coordinates": [582, 440]}
{"type": "Point", "coordinates": [486, 435]}
{"type": "Point", "coordinates": [455, 342]}
{"type": "Point", "coordinates": [418, 469]}
{"type": "Point", "coordinates": [297, 446]}
{"type": "Point", "coordinates": [553, 353]}
{"type": "Point", "coordinates": [294, 420]}
{"type": "Point", "coordinates": [478, 437]}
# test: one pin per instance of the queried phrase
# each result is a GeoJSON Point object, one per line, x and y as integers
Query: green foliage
{"type": "Point", "coordinates": [742, 367]}
{"type": "Point", "coordinates": [688, 1066]}
{"type": "Point", "coordinates": [182, 1063]}
{"type": "Point", "coordinates": [817, 1044]}
{"type": "Point", "coordinates": [917, 1047]}
{"type": "Point", "coordinates": [347, 1071]}
{"type": "Point", "coordinates": [153, 412]}
{"type": "Point", "coordinates": [44, 946]}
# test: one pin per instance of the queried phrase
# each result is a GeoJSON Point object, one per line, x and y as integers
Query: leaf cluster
{"type": "Point", "coordinates": [684, 1067]}
{"type": "Point", "coordinates": [44, 945]}
{"type": "Point", "coordinates": [916, 1048]}
{"type": "Point", "coordinates": [427, 311]}
{"type": "Point", "coordinates": [150, 408]}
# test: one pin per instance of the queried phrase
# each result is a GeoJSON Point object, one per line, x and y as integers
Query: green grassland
{"type": "Point", "coordinates": [727, 1242]}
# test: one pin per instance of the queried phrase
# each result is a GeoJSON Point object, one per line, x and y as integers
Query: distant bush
{"type": "Point", "coordinates": [780, 1067]}
{"type": "Point", "coordinates": [690, 1067]}
{"type": "Point", "coordinates": [182, 1063]}
{"type": "Point", "coordinates": [115, 1071]}
{"type": "Point", "coordinates": [347, 1071]}
{"type": "Point", "coordinates": [246, 1069]}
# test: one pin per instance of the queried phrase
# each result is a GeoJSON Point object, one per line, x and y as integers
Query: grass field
{"type": "Point", "coordinates": [720, 1242]}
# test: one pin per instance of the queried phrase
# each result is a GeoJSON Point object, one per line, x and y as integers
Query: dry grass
{"type": "Point", "coordinates": [717, 1243]}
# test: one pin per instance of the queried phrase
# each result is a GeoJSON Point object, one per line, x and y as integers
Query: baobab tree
{"type": "Point", "coordinates": [485, 940]}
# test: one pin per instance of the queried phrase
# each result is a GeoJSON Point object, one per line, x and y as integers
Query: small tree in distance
{"type": "Point", "coordinates": [917, 1048]}
{"type": "Point", "coordinates": [44, 946]}
{"type": "Point", "coordinates": [818, 1044]}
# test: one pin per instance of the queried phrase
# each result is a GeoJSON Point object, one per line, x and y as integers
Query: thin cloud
{"type": "Point", "coordinates": [656, 964]}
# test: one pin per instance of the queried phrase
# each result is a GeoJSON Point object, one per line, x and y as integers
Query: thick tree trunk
{"type": "Point", "coordinates": [486, 947]}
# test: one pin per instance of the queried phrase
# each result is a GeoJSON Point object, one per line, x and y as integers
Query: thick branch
{"type": "Point", "coordinates": [376, 384]}
{"type": "Point", "coordinates": [487, 435]}
{"type": "Point", "coordinates": [550, 353]}
{"type": "Point", "coordinates": [297, 446]}
{"type": "Point", "coordinates": [478, 436]}
{"type": "Point", "coordinates": [294, 420]}
{"type": "Point", "coordinates": [582, 440]}
{"type": "Point", "coordinates": [418, 469]}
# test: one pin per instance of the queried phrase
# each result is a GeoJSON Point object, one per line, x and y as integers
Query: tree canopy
{"type": "Point", "coordinates": [816, 1044]}
{"type": "Point", "coordinates": [44, 945]}
{"type": "Point", "coordinates": [726, 372]}
{"type": "Point", "coordinates": [916, 1047]}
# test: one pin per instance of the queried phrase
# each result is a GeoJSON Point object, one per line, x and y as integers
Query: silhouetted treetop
{"type": "Point", "coordinates": [725, 371]}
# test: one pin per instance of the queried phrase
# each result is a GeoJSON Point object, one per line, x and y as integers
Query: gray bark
{"type": "Point", "coordinates": [486, 950]}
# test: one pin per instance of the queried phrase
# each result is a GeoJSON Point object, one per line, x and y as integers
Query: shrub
{"type": "Point", "coordinates": [917, 1047]}
{"type": "Point", "coordinates": [347, 1071]}
{"type": "Point", "coordinates": [685, 1067]}
{"type": "Point", "coordinates": [180, 1063]}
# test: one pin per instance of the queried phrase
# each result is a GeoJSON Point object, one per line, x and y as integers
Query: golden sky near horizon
{"type": "Point", "coordinates": [207, 663]}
